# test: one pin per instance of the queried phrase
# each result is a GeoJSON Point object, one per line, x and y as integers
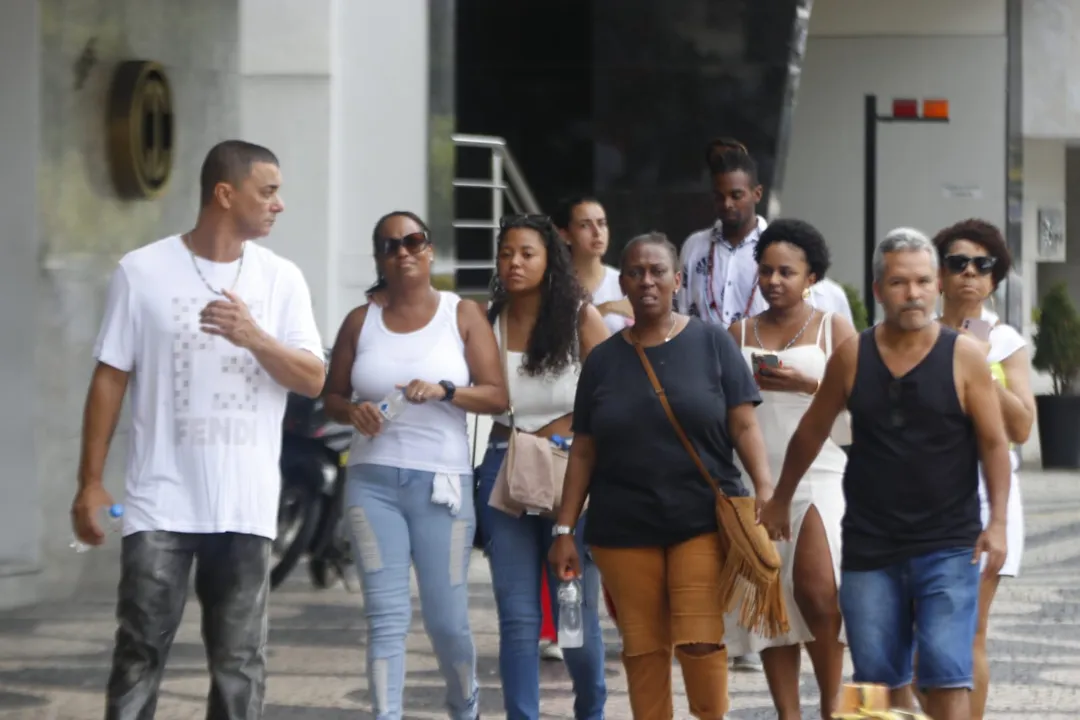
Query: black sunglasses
{"type": "Point", "coordinates": [413, 243]}
{"type": "Point", "coordinates": [957, 264]}
{"type": "Point", "coordinates": [517, 220]}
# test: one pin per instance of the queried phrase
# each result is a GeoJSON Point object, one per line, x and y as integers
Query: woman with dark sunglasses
{"type": "Point", "coordinates": [546, 329]}
{"type": "Point", "coordinates": [408, 496]}
{"type": "Point", "coordinates": [974, 259]}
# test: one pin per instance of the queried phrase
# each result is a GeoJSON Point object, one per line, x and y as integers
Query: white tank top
{"type": "Point", "coordinates": [431, 436]}
{"type": "Point", "coordinates": [779, 413]}
{"type": "Point", "coordinates": [537, 400]}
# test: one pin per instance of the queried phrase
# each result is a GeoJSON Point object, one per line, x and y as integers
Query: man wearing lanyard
{"type": "Point", "coordinates": [719, 270]}
{"type": "Point", "coordinates": [720, 275]}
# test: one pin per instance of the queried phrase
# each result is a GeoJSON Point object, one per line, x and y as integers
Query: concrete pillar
{"type": "Point", "coordinates": [20, 116]}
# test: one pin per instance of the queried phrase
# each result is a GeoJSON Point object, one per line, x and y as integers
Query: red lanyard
{"type": "Point", "coordinates": [710, 293]}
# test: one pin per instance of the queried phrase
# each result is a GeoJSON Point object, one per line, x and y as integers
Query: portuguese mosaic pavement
{"type": "Point", "coordinates": [54, 659]}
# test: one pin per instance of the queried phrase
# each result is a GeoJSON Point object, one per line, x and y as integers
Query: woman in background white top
{"type": "Point", "coordinates": [792, 258]}
{"type": "Point", "coordinates": [583, 226]}
{"type": "Point", "coordinates": [974, 259]}
{"type": "Point", "coordinates": [408, 496]}
{"type": "Point", "coordinates": [550, 329]}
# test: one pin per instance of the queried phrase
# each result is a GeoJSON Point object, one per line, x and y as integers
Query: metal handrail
{"type": "Point", "coordinates": [518, 185]}
{"type": "Point", "coordinates": [507, 182]}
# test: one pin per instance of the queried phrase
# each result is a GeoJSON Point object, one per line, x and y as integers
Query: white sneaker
{"type": "Point", "coordinates": [747, 663]}
{"type": "Point", "coordinates": [550, 651]}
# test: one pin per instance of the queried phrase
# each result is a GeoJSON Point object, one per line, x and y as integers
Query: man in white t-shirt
{"type": "Point", "coordinates": [211, 331]}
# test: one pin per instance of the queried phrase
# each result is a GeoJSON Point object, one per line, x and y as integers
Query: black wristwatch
{"type": "Point", "coordinates": [450, 389]}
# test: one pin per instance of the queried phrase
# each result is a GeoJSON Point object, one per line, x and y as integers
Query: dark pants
{"type": "Point", "coordinates": [232, 583]}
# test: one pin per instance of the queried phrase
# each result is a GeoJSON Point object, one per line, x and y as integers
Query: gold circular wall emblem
{"type": "Point", "coordinates": [140, 126]}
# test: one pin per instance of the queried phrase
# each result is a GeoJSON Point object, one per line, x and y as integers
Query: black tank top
{"type": "Point", "coordinates": [912, 477]}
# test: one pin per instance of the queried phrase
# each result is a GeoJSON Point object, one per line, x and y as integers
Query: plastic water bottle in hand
{"type": "Point", "coordinates": [392, 405]}
{"type": "Point", "coordinates": [571, 628]}
{"type": "Point", "coordinates": [110, 522]}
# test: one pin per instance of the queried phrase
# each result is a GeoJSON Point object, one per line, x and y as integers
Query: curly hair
{"type": "Point", "coordinates": [802, 235]}
{"type": "Point", "coordinates": [983, 234]}
{"type": "Point", "coordinates": [552, 343]}
{"type": "Point", "coordinates": [380, 281]}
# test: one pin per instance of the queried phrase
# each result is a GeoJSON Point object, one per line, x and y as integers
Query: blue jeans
{"type": "Point", "coordinates": [393, 524]}
{"type": "Point", "coordinates": [928, 604]}
{"type": "Point", "coordinates": [517, 550]}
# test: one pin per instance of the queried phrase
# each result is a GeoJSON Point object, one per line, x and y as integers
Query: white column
{"type": "Point", "coordinates": [286, 104]}
{"type": "Point", "coordinates": [339, 90]}
{"type": "Point", "coordinates": [20, 116]}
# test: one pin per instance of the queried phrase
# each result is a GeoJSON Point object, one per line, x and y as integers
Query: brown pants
{"type": "Point", "coordinates": [667, 599]}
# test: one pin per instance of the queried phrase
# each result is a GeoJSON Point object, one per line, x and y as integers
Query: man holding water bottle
{"type": "Point", "coordinates": [211, 331]}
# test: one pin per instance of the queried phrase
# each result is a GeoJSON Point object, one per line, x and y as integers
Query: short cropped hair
{"type": "Point", "coordinates": [902, 240]}
{"type": "Point", "coordinates": [230, 161]}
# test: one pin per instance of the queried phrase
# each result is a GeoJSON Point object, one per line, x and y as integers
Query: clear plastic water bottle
{"type": "Point", "coordinates": [110, 523]}
{"type": "Point", "coordinates": [571, 629]}
{"type": "Point", "coordinates": [392, 405]}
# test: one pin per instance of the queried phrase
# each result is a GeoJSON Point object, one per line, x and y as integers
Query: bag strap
{"type": "Point", "coordinates": [673, 420]}
{"type": "Point", "coordinates": [503, 341]}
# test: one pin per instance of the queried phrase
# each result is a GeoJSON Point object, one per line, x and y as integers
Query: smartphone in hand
{"type": "Point", "coordinates": [767, 360]}
{"type": "Point", "coordinates": [978, 328]}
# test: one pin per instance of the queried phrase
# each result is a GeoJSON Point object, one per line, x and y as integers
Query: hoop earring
{"type": "Point", "coordinates": [993, 301]}
{"type": "Point", "coordinates": [495, 285]}
{"type": "Point", "coordinates": [806, 293]}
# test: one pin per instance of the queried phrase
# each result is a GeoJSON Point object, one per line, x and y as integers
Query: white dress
{"type": "Point", "coordinates": [821, 487]}
{"type": "Point", "coordinates": [1004, 341]}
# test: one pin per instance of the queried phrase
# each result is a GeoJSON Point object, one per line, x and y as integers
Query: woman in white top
{"type": "Point", "coordinates": [974, 259]}
{"type": "Point", "coordinates": [550, 329]}
{"type": "Point", "coordinates": [408, 496]}
{"type": "Point", "coordinates": [792, 257]}
{"type": "Point", "coordinates": [583, 226]}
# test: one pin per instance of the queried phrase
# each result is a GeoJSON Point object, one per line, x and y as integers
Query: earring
{"type": "Point", "coordinates": [806, 293]}
{"type": "Point", "coordinates": [494, 285]}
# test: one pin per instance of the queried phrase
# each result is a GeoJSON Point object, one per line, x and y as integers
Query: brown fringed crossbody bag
{"type": "Point", "coordinates": [750, 566]}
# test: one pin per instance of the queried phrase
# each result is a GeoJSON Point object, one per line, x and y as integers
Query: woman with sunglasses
{"type": "Point", "coordinates": [549, 331]}
{"type": "Point", "coordinates": [408, 495]}
{"type": "Point", "coordinates": [974, 259]}
{"type": "Point", "coordinates": [583, 226]}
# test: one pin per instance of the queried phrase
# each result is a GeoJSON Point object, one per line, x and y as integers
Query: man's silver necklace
{"type": "Point", "coordinates": [793, 340]}
{"type": "Point", "coordinates": [186, 238]}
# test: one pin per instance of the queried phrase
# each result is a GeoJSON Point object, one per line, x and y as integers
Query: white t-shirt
{"type": "Point", "coordinates": [829, 296]}
{"type": "Point", "coordinates": [610, 291]}
{"type": "Point", "coordinates": [206, 418]}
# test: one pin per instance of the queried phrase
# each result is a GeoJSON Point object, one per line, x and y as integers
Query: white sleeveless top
{"type": "Point", "coordinates": [609, 290]}
{"type": "Point", "coordinates": [779, 413]}
{"type": "Point", "coordinates": [431, 436]}
{"type": "Point", "coordinates": [537, 400]}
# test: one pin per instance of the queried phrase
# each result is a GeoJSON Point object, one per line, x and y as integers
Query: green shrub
{"type": "Point", "coordinates": [1057, 339]}
{"type": "Point", "coordinates": [858, 310]}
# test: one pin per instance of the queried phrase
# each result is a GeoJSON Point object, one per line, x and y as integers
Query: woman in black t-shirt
{"type": "Point", "coordinates": [652, 522]}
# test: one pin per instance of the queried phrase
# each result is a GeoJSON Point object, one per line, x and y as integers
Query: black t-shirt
{"type": "Point", "coordinates": [645, 490]}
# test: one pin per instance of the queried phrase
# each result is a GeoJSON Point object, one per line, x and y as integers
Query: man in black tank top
{"type": "Point", "coordinates": [924, 414]}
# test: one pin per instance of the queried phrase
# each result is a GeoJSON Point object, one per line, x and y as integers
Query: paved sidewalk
{"type": "Point", "coordinates": [54, 659]}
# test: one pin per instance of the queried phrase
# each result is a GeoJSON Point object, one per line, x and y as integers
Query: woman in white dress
{"type": "Point", "coordinates": [583, 226]}
{"type": "Point", "coordinates": [974, 259]}
{"type": "Point", "coordinates": [787, 347]}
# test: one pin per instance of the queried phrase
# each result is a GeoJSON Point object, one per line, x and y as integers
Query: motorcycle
{"type": "Point", "coordinates": [314, 451]}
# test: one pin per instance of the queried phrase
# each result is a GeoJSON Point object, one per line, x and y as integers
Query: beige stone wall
{"type": "Point", "coordinates": [84, 226]}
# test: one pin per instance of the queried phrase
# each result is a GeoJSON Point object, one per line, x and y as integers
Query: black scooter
{"type": "Point", "coordinates": [310, 513]}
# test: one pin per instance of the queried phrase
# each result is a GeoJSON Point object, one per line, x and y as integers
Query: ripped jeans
{"type": "Point", "coordinates": [393, 523]}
